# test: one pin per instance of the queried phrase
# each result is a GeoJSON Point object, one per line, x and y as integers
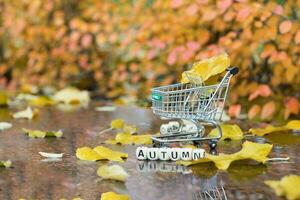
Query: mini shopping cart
{"type": "Point", "coordinates": [191, 106]}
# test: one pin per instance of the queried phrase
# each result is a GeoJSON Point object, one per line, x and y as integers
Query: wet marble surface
{"type": "Point", "coordinates": [33, 177]}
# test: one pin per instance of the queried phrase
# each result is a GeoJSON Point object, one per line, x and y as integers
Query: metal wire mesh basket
{"type": "Point", "coordinates": [194, 102]}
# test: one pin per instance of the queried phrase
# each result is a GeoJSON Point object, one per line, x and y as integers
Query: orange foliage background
{"type": "Point", "coordinates": [127, 47]}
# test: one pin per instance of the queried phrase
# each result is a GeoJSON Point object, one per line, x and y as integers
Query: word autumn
{"type": "Point", "coordinates": [145, 153]}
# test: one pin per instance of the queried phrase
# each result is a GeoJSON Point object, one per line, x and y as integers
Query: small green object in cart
{"type": "Point", "coordinates": [156, 96]}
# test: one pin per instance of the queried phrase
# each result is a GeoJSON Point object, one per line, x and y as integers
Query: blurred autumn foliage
{"type": "Point", "coordinates": [127, 47]}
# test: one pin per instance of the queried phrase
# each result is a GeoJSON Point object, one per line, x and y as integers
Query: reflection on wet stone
{"type": "Point", "coordinates": [31, 178]}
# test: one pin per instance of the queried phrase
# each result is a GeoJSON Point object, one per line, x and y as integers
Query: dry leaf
{"type": "Point", "coordinates": [42, 134]}
{"type": "Point", "coordinates": [229, 131]}
{"type": "Point", "coordinates": [51, 155]}
{"type": "Point", "coordinates": [208, 67]}
{"type": "Point", "coordinates": [268, 110]}
{"type": "Point", "coordinates": [72, 96]}
{"type": "Point", "coordinates": [130, 129]}
{"type": "Point", "coordinates": [266, 130]}
{"type": "Point", "coordinates": [291, 125]}
{"type": "Point", "coordinates": [42, 101]}
{"type": "Point", "coordinates": [114, 196]}
{"type": "Point", "coordinates": [288, 186]}
{"type": "Point", "coordinates": [87, 153]}
{"type": "Point", "coordinates": [100, 153]}
{"type": "Point", "coordinates": [117, 124]}
{"type": "Point", "coordinates": [5, 125]}
{"type": "Point", "coordinates": [28, 113]}
{"type": "Point", "coordinates": [113, 172]}
{"type": "Point", "coordinates": [250, 150]}
{"type": "Point", "coordinates": [109, 154]}
{"type": "Point", "coordinates": [3, 99]}
{"type": "Point", "coordinates": [127, 138]}
{"type": "Point", "coordinates": [5, 164]}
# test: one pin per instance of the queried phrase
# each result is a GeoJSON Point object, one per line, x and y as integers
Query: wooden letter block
{"type": "Point", "coordinates": [152, 153]}
{"type": "Point", "coordinates": [164, 153]}
{"type": "Point", "coordinates": [175, 154]}
{"type": "Point", "coordinates": [198, 153]}
{"type": "Point", "coordinates": [141, 153]}
{"type": "Point", "coordinates": [186, 153]}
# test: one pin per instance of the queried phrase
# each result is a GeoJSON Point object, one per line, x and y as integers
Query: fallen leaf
{"type": "Point", "coordinates": [100, 153]}
{"type": "Point", "coordinates": [109, 154]}
{"type": "Point", "coordinates": [130, 129]}
{"type": "Point", "coordinates": [106, 109]}
{"type": "Point", "coordinates": [42, 134]}
{"type": "Point", "coordinates": [254, 111]}
{"type": "Point", "coordinates": [117, 124]}
{"type": "Point", "coordinates": [114, 196]}
{"type": "Point", "coordinates": [72, 96]}
{"type": "Point", "coordinates": [5, 125]}
{"type": "Point", "coordinates": [262, 90]}
{"type": "Point", "coordinates": [113, 172]}
{"type": "Point", "coordinates": [207, 68]}
{"type": "Point", "coordinates": [87, 153]}
{"type": "Point", "coordinates": [3, 99]}
{"type": "Point", "coordinates": [51, 155]}
{"type": "Point", "coordinates": [268, 110]}
{"type": "Point", "coordinates": [291, 125]}
{"type": "Point", "coordinates": [28, 113]}
{"type": "Point", "coordinates": [127, 138]}
{"type": "Point", "coordinates": [5, 164]}
{"type": "Point", "coordinates": [288, 186]}
{"type": "Point", "coordinates": [250, 150]}
{"type": "Point", "coordinates": [266, 130]}
{"type": "Point", "coordinates": [234, 110]}
{"type": "Point", "coordinates": [229, 131]}
{"type": "Point", "coordinates": [42, 101]}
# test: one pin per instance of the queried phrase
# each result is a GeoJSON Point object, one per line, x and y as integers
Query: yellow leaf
{"type": "Point", "coordinates": [28, 113]}
{"type": "Point", "coordinates": [113, 172]}
{"type": "Point", "coordinates": [72, 96]}
{"type": "Point", "coordinates": [3, 99]}
{"type": "Point", "coordinates": [267, 130]}
{"type": "Point", "coordinates": [86, 153]}
{"type": "Point", "coordinates": [291, 125]}
{"type": "Point", "coordinates": [42, 101]}
{"type": "Point", "coordinates": [229, 131]}
{"type": "Point", "coordinates": [117, 123]}
{"type": "Point", "coordinates": [250, 150]}
{"type": "Point", "coordinates": [100, 153]}
{"type": "Point", "coordinates": [114, 196]}
{"type": "Point", "coordinates": [42, 134]}
{"type": "Point", "coordinates": [288, 186]}
{"type": "Point", "coordinates": [109, 154]}
{"type": "Point", "coordinates": [5, 164]}
{"type": "Point", "coordinates": [127, 138]}
{"type": "Point", "coordinates": [208, 67]}
{"type": "Point", "coordinates": [130, 129]}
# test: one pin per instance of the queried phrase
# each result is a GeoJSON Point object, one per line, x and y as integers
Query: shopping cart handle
{"type": "Point", "coordinates": [233, 70]}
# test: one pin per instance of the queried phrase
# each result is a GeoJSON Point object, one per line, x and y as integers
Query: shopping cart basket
{"type": "Point", "coordinates": [191, 106]}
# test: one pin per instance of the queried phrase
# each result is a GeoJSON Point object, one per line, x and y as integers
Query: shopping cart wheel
{"type": "Point", "coordinates": [213, 144]}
